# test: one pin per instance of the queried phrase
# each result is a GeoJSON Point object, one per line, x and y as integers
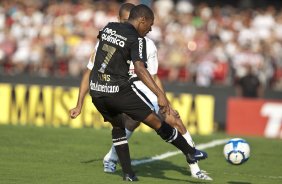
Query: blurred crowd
{"type": "Point", "coordinates": [200, 44]}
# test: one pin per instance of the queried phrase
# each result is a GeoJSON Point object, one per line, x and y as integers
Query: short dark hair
{"type": "Point", "coordinates": [141, 10]}
{"type": "Point", "coordinates": [125, 7]}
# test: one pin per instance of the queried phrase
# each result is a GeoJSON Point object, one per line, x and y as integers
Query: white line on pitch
{"type": "Point", "coordinates": [172, 153]}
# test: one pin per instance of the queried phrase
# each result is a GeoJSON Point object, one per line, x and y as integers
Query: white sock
{"type": "Point", "coordinates": [128, 133]}
{"type": "Point", "coordinates": [112, 154]}
{"type": "Point", "coordinates": [188, 138]}
{"type": "Point", "coordinates": [194, 168]}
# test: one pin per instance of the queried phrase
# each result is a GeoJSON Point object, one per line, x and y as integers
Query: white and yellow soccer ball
{"type": "Point", "coordinates": [236, 151]}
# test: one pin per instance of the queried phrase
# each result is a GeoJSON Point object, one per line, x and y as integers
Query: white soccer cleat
{"type": "Point", "coordinates": [202, 176]}
{"type": "Point", "coordinates": [110, 166]}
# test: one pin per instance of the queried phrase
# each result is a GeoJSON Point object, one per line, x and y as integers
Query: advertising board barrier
{"type": "Point", "coordinates": [47, 105]}
{"type": "Point", "coordinates": [254, 117]}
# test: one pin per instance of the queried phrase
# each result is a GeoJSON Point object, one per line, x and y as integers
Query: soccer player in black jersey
{"type": "Point", "coordinates": [110, 159]}
{"type": "Point", "coordinates": [113, 93]}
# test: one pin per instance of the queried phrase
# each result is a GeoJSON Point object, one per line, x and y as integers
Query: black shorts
{"type": "Point", "coordinates": [129, 100]}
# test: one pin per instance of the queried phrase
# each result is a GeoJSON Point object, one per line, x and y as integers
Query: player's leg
{"type": "Point", "coordinates": [111, 114]}
{"type": "Point", "coordinates": [171, 119]}
{"type": "Point", "coordinates": [132, 103]}
{"type": "Point", "coordinates": [152, 120]}
{"type": "Point", "coordinates": [121, 146]}
{"type": "Point", "coordinates": [111, 158]}
{"type": "Point", "coordinates": [175, 121]}
{"type": "Point", "coordinates": [171, 135]}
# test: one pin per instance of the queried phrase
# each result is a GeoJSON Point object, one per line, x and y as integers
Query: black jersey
{"type": "Point", "coordinates": [119, 43]}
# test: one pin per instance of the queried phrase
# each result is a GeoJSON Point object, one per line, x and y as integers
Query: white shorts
{"type": "Point", "coordinates": [149, 94]}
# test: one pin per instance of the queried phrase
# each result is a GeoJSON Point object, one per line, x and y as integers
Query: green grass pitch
{"type": "Point", "coordinates": [64, 156]}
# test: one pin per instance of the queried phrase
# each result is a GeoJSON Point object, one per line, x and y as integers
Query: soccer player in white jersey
{"type": "Point", "coordinates": [110, 160]}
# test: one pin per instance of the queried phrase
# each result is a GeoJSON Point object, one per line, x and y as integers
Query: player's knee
{"type": "Point", "coordinates": [171, 120]}
{"type": "Point", "coordinates": [167, 133]}
{"type": "Point", "coordinates": [132, 126]}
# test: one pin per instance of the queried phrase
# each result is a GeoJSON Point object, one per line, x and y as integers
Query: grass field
{"type": "Point", "coordinates": [63, 155]}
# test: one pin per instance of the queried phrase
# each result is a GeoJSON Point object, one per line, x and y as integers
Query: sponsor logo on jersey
{"type": "Point", "coordinates": [140, 47]}
{"type": "Point", "coordinates": [104, 87]}
{"type": "Point", "coordinates": [111, 36]}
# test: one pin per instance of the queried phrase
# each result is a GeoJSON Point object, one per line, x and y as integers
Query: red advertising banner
{"type": "Point", "coordinates": [254, 117]}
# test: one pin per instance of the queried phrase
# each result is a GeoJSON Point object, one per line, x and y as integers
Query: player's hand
{"type": "Point", "coordinates": [164, 104]}
{"type": "Point", "coordinates": [75, 112]}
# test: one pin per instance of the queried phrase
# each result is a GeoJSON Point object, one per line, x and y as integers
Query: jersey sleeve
{"type": "Point", "coordinates": [152, 57]}
{"type": "Point", "coordinates": [90, 64]}
{"type": "Point", "coordinates": [138, 50]}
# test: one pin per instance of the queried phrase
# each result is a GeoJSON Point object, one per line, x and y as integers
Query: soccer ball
{"type": "Point", "coordinates": [236, 151]}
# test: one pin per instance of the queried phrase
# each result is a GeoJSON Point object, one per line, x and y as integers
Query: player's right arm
{"type": "Point", "coordinates": [84, 86]}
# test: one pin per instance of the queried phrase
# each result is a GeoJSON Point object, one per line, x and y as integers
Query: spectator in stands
{"type": "Point", "coordinates": [41, 37]}
{"type": "Point", "coordinates": [249, 86]}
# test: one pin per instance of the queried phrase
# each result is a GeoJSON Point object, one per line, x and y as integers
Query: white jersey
{"type": "Point", "coordinates": [90, 64]}
{"type": "Point", "coordinates": [152, 59]}
{"type": "Point", "coordinates": [152, 67]}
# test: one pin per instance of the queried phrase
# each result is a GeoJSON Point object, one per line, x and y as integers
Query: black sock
{"type": "Point", "coordinates": [172, 136]}
{"type": "Point", "coordinates": [122, 149]}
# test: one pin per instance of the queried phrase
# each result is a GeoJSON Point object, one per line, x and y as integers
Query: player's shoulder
{"type": "Point", "coordinates": [113, 23]}
{"type": "Point", "coordinates": [123, 31]}
{"type": "Point", "coordinates": [123, 26]}
{"type": "Point", "coordinates": [148, 40]}
{"type": "Point", "coordinates": [108, 28]}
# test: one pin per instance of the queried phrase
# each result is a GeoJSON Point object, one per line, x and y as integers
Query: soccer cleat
{"type": "Point", "coordinates": [128, 177]}
{"type": "Point", "coordinates": [110, 166]}
{"type": "Point", "coordinates": [202, 176]}
{"type": "Point", "coordinates": [200, 155]}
